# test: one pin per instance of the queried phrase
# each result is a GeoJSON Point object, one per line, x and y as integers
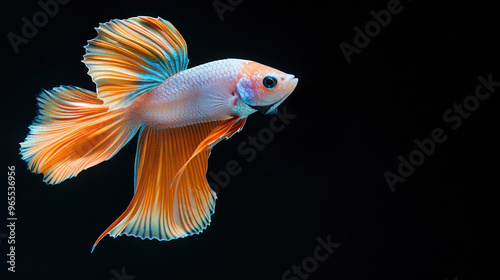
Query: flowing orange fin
{"type": "Point", "coordinates": [73, 131]}
{"type": "Point", "coordinates": [158, 211]}
{"type": "Point", "coordinates": [225, 130]}
{"type": "Point", "coordinates": [131, 56]}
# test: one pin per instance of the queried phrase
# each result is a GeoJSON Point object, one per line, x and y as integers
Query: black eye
{"type": "Point", "coordinates": [269, 81]}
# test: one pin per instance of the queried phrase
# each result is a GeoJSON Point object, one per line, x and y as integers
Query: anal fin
{"type": "Point", "coordinates": [162, 210]}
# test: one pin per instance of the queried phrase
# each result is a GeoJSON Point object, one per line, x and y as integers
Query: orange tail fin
{"type": "Point", "coordinates": [73, 131]}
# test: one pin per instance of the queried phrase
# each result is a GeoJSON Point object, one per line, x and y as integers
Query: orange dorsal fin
{"type": "Point", "coordinates": [157, 210]}
{"type": "Point", "coordinates": [132, 56]}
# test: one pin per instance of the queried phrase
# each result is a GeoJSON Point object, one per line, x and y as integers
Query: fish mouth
{"type": "Point", "coordinates": [291, 78]}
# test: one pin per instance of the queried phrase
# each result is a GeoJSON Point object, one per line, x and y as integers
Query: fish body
{"type": "Point", "coordinates": [200, 94]}
{"type": "Point", "coordinates": [139, 66]}
{"type": "Point", "coordinates": [204, 93]}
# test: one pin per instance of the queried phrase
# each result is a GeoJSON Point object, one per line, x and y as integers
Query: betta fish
{"type": "Point", "coordinates": [143, 85]}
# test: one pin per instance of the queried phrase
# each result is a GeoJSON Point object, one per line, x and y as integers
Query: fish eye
{"type": "Point", "coordinates": [269, 82]}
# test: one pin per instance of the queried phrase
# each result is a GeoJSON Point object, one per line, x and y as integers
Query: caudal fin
{"type": "Point", "coordinates": [73, 131]}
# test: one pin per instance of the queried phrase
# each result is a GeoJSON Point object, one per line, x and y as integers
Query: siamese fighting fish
{"type": "Point", "coordinates": [144, 86]}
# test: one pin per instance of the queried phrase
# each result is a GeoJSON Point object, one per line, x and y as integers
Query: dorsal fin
{"type": "Point", "coordinates": [132, 56]}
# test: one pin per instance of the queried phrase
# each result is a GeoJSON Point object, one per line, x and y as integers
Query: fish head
{"type": "Point", "coordinates": [264, 88]}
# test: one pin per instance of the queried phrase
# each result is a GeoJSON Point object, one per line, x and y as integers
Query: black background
{"type": "Point", "coordinates": [321, 176]}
